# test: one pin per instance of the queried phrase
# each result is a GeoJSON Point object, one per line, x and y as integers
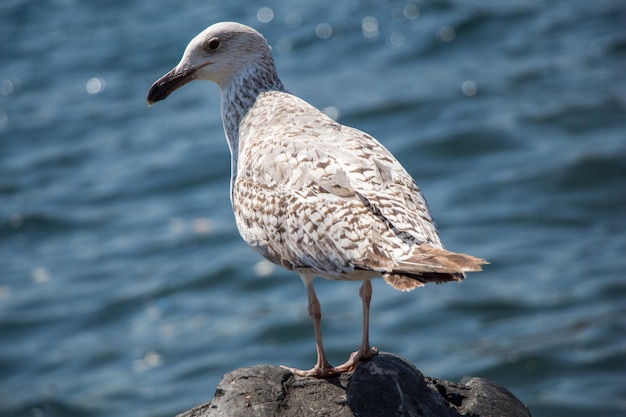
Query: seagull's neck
{"type": "Point", "coordinates": [239, 95]}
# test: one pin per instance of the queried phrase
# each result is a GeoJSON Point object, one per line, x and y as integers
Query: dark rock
{"type": "Point", "coordinates": [385, 385]}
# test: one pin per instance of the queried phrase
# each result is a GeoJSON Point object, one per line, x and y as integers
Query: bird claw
{"type": "Point", "coordinates": [327, 371]}
{"type": "Point", "coordinates": [356, 357]}
{"type": "Point", "coordinates": [315, 372]}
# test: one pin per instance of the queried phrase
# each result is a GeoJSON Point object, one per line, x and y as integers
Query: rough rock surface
{"type": "Point", "coordinates": [384, 386]}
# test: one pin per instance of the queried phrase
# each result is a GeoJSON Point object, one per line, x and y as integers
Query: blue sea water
{"type": "Point", "coordinates": [126, 290]}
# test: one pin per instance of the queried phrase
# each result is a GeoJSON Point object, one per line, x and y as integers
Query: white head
{"type": "Point", "coordinates": [219, 53]}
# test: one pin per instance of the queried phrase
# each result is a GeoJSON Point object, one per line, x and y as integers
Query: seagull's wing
{"type": "Point", "coordinates": [393, 197]}
{"type": "Point", "coordinates": [385, 187]}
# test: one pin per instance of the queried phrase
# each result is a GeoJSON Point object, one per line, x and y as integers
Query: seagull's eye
{"type": "Point", "coordinates": [213, 44]}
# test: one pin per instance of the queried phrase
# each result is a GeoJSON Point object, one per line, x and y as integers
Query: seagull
{"type": "Point", "coordinates": [308, 193]}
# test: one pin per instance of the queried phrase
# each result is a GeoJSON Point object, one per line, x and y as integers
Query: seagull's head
{"type": "Point", "coordinates": [216, 54]}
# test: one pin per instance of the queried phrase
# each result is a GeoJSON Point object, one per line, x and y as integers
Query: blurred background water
{"type": "Point", "coordinates": [126, 290]}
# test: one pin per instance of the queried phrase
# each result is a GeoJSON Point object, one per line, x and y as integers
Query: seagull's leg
{"type": "Point", "coordinates": [365, 292]}
{"type": "Point", "coordinates": [315, 311]}
{"type": "Point", "coordinates": [365, 351]}
{"type": "Point", "coordinates": [322, 368]}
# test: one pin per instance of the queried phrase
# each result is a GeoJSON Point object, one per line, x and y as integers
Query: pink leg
{"type": "Point", "coordinates": [365, 351]}
{"type": "Point", "coordinates": [322, 368]}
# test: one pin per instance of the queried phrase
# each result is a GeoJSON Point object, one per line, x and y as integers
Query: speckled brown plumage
{"type": "Point", "coordinates": [308, 193]}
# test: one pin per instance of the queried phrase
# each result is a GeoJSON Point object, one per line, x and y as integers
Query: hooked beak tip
{"type": "Point", "coordinates": [167, 84]}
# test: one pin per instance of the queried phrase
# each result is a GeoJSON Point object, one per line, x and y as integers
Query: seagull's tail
{"type": "Point", "coordinates": [430, 264]}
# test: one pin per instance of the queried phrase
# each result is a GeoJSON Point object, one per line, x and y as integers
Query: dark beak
{"type": "Point", "coordinates": [169, 83]}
